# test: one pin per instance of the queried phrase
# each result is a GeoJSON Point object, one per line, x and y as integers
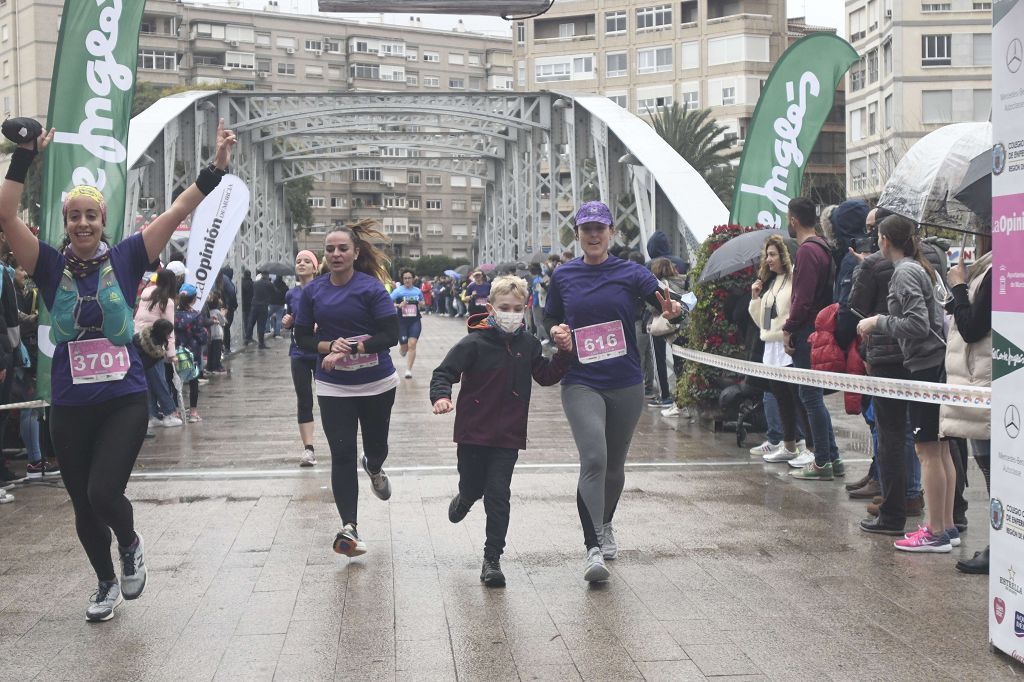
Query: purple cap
{"type": "Point", "coordinates": [593, 212]}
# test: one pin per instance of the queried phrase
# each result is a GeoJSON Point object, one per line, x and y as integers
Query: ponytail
{"type": "Point", "coordinates": [902, 234]}
{"type": "Point", "coordinates": [371, 260]}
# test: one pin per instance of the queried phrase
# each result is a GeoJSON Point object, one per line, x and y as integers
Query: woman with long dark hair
{"type": "Point", "coordinates": [347, 318]}
{"type": "Point", "coordinates": [156, 302]}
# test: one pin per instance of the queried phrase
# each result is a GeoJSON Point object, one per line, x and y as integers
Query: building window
{"type": "Point", "coordinates": [872, 118]}
{"type": "Point", "coordinates": [158, 60]}
{"type": "Point", "coordinates": [858, 24]}
{"type": "Point", "coordinates": [368, 71]}
{"type": "Point", "coordinates": [740, 48]}
{"type": "Point", "coordinates": [456, 58]}
{"type": "Point", "coordinates": [433, 181]}
{"type": "Point", "coordinates": [691, 97]}
{"type": "Point", "coordinates": [285, 69]}
{"type": "Point", "coordinates": [457, 83]}
{"type": "Point", "coordinates": [475, 59]}
{"type": "Point", "coordinates": [583, 67]}
{"type": "Point", "coordinates": [937, 106]}
{"type": "Point", "coordinates": [691, 55]}
{"type": "Point", "coordinates": [434, 57]}
{"type": "Point", "coordinates": [433, 204]}
{"type": "Point", "coordinates": [475, 205]}
{"type": "Point", "coordinates": [521, 72]}
{"type": "Point", "coordinates": [887, 57]}
{"type": "Point", "coordinates": [316, 202]}
{"type": "Point", "coordinates": [888, 113]}
{"type": "Point", "coordinates": [431, 82]}
{"type": "Point", "coordinates": [338, 202]}
{"type": "Point", "coordinates": [286, 43]}
{"type": "Point", "coordinates": [652, 103]}
{"type": "Point", "coordinates": [936, 50]}
{"type": "Point", "coordinates": [566, 30]}
{"type": "Point", "coordinates": [983, 49]}
{"type": "Point", "coordinates": [458, 204]}
{"type": "Point", "coordinates": [728, 95]}
{"type": "Point", "coordinates": [936, 6]}
{"type": "Point", "coordinates": [5, 33]}
{"type": "Point", "coordinates": [263, 40]}
{"type": "Point", "coordinates": [858, 169]}
{"type": "Point", "coordinates": [460, 230]}
{"type": "Point", "coordinates": [392, 49]}
{"type": "Point", "coordinates": [621, 100]}
{"type": "Point", "coordinates": [856, 125]}
{"type": "Point", "coordinates": [413, 178]}
{"type": "Point", "coordinates": [983, 6]}
{"type": "Point", "coordinates": [617, 65]}
{"type": "Point", "coordinates": [872, 64]}
{"type": "Point", "coordinates": [413, 203]}
{"type": "Point", "coordinates": [558, 71]}
{"type": "Point", "coordinates": [982, 105]}
{"type": "Point", "coordinates": [857, 73]}
{"type": "Point", "coordinates": [434, 230]}
{"type": "Point", "coordinates": [648, 18]}
{"type": "Point", "coordinates": [476, 84]}
{"type": "Point", "coordinates": [412, 79]}
{"type": "Point", "coordinates": [615, 22]}
{"type": "Point", "coordinates": [654, 60]}
{"type": "Point", "coordinates": [367, 175]}
{"type": "Point", "coordinates": [314, 72]}
{"type": "Point", "coordinates": [240, 60]}
{"type": "Point", "coordinates": [412, 55]}
{"type": "Point", "coordinates": [520, 33]}
{"type": "Point", "coordinates": [7, 68]}
{"type": "Point", "coordinates": [314, 46]}
{"type": "Point", "coordinates": [394, 202]}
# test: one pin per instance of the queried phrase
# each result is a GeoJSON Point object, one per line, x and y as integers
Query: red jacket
{"type": "Point", "coordinates": [828, 356]}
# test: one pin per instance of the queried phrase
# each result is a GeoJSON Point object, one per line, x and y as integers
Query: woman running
{"type": "Point", "coordinates": [347, 318]}
{"type": "Point", "coordinates": [916, 321]}
{"type": "Point", "coordinates": [100, 405]}
{"type": "Point", "coordinates": [408, 301]}
{"type": "Point", "coordinates": [303, 362]}
{"type": "Point", "coordinates": [478, 292]}
{"type": "Point", "coordinates": [603, 393]}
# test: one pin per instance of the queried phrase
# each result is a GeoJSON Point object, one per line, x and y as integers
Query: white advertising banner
{"type": "Point", "coordinates": [214, 227]}
{"type": "Point", "coordinates": [1006, 508]}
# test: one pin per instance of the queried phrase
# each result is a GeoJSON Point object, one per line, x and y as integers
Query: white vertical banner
{"type": "Point", "coordinates": [1006, 507]}
{"type": "Point", "coordinates": [215, 224]}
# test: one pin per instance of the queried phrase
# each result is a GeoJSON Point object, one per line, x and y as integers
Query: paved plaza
{"type": "Point", "coordinates": [728, 567]}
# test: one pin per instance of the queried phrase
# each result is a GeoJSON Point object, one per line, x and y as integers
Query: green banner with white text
{"type": "Point", "coordinates": [794, 104]}
{"type": "Point", "coordinates": [90, 106]}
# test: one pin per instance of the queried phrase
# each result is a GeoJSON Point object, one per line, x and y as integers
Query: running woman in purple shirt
{"type": "Point", "coordinates": [347, 318]}
{"type": "Point", "coordinates": [594, 298]}
{"type": "Point", "coordinates": [303, 362]}
{"type": "Point", "coordinates": [98, 418]}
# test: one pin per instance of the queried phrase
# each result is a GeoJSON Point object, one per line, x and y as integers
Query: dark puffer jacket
{"type": "Point", "coordinates": [658, 247]}
{"type": "Point", "coordinates": [869, 297]}
{"type": "Point", "coordinates": [848, 223]}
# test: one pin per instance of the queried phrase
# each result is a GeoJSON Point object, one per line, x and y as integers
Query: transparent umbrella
{"type": "Point", "coordinates": [923, 184]}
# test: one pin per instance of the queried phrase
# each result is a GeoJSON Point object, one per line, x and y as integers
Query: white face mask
{"type": "Point", "coordinates": [508, 322]}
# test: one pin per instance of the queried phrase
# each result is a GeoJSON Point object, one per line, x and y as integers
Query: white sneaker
{"type": "Point", "coordinates": [5, 496]}
{"type": "Point", "coordinates": [801, 445]}
{"type": "Point", "coordinates": [803, 459]}
{"type": "Point", "coordinates": [154, 421]}
{"type": "Point", "coordinates": [781, 455]}
{"type": "Point", "coordinates": [594, 570]}
{"type": "Point", "coordinates": [169, 421]}
{"type": "Point", "coordinates": [670, 411]}
{"type": "Point", "coordinates": [408, 374]}
{"type": "Point", "coordinates": [766, 448]}
{"type": "Point", "coordinates": [308, 458]}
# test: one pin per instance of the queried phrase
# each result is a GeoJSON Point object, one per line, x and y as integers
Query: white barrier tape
{"type": "Point", "coordinates": [919, 391]}
{"type": "Point", "coordinates": [32, 404]}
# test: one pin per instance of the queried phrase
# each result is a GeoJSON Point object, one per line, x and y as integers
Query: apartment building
{"type": "Point", "coordinates": [644, 54]}
{"type": "Point", "coordinates": [274, 51]}
{"type": "Point", "coordinates": [923, 65]}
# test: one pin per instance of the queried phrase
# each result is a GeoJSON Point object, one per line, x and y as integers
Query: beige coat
{"type": "Point", "coordinates": [968, 365]}
{"type": "Point", "coordinates": [780, 293]}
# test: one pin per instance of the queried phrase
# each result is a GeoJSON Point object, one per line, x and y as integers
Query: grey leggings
{"type": "Point", "coordinates": [602, 425]}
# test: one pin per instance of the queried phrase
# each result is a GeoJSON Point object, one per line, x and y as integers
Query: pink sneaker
{"type": "Point", "coordinates": [920, 529]}
{"type": "Point", "coordinates": [924, 541]}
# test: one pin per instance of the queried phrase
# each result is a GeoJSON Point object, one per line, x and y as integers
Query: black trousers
{"type": "Point", "coordinates": [341, 418]}
{"type": "Point", "coordinates": [227, 331]}
{"type": "Point", "coordinates": [258, 318]}
{"type": "Point", "coordinates": [487, 472]}
{"type": "Point", "coordinates": [791, 408]}
{"type": "Point", "coordinates": [96, 446]}
{"type": "Point", "coordinates": [303, 370]}
{"type": "Point", "coordinates": [891, 424]}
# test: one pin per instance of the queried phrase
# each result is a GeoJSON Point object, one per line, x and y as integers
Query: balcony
{"type": "Point", "coordinates": [765, 21]}
{"type": "Point", "coordinates": [564, 39]}
{"type": "Point", "coordinates": [564, 29]}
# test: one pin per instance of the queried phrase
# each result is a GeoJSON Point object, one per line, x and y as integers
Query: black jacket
{"type": "Point", "coordinates": [246, 293]}
{"type": "Point", "coordinates": [495, 369]}
{"type": "Point", "coordinates": [262, 291]}
{"type": "Point", "coordinates": [869, 297]}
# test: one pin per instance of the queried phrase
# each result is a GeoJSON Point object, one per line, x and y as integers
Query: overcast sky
{"type": "Point", "coordinates": [818, 12]}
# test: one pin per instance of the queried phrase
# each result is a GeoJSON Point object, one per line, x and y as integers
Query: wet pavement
{"type": "Point", "coordinates": [728, 568]}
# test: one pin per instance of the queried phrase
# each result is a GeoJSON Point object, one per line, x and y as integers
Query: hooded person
{"type": "Point", "coordinates": [848, 226]}
{"type": "Point", "coordinates": [658, 247]}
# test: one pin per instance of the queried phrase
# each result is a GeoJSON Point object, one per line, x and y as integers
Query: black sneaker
{"type": "Point", "coordinates": [490, 573]}
{"type": "Point", "coordinates": [873, 524]}
{"type": "Point", "coordinates": [35, 470]}
{"type": "Point", "coordinates": [960, 521]}
{"type": "Point", "coordinates": [7, 475]}
{"type": "Point", "coordinates": [456, 510]}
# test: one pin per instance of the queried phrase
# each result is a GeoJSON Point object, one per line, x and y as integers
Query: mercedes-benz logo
{"type": "Point", "coordinates": [1011, 421]}
{"type": "Point", "coordinates": [1014, 55]}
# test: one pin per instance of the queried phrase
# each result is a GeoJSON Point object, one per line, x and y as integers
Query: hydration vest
{"type": "Point", "coordinates": [118, 326]}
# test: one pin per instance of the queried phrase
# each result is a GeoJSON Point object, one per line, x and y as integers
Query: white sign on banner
{"type": "Point", "coordinates": [1006, 506]}
{"type": "Point", "coordinates": [215, 224]}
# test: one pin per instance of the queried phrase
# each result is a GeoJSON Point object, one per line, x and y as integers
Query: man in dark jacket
{"type": "Point", "coordinates": [849, 221]}
{"type": "Point", "coordinates": [262, 295]}
{"type": "Point", "coordinates": [897, 460]}
{"type": "Point", "coordinates": [9, 320]}
{"type": "Point", "coordinates": [229, 297]}
{"type": "Point", "coordinates": [247, 306]}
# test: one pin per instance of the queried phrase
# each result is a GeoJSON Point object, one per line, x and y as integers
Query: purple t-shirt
{"type": "Point", "coordinates": [344, 312]}
{"type": "Point", "coordinates": [129, 261]}
{"type": "Point", "coordinates": [582, 295]}
{"type": "Point", "coordinates": [475, 291]}
{"type": "Point", "coordinates": [291, 305]}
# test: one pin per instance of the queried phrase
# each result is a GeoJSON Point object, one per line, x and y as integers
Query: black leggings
{"type": "Point", "coordinates": [340, 418]}
{"type": "Point", "coordinates": [791, 408]}
{"type": "Point", "coordinates": [96, 446]}
{"type": "Point", "coordinates": [303, 370]}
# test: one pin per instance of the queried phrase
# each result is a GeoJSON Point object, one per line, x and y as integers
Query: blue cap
{"type": "Point", "coordinates": [594, 212]}
{"type": "Point", "coordinates": [188, 290]}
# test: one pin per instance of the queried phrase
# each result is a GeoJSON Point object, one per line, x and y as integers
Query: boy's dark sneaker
{"type": "Point", "coordinates": [490, 573]}
{"type": "Point", "coordinates": [456, 510]}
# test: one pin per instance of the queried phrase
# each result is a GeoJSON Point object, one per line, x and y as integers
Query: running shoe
{"type": "Point", "coordinates": [193, 418]}
{"type": "Point", "coordinates": [170, 420]}
{"type": "Point", "coordinates": [783, 454]}
{"type": "Point", "coordinates": [671, 412]}
{"type": "Point", "coordinates": [403, 352]}
{"type": "Point", "coordinates": [838, 468]}
{"type": "Point", "coordinates": [924, 541]}
{"type": "Point", "coordinates": [51, 466]}
{"type": "Point", "coordinates": [767, 448]}
{"type": "Point", "coordinates": [154, 421]}
{"type": "Point", "coordinates": [408, 374]}
{"type": "Point", "coordinates": [5, 496]}
{"type": "Point", "coordinates": [456, 510]}
{"type": "Point", "coordinates": [954, 536]}
{"type": "Point", "coordinates": [594, 570]}
{"type": "Point", "coordinates": [35, 470]}
{"type": "Point", "coordinates": [658, 402]}
{"type": "Point", "coordinates": [813, 472]}
{"type": "Point", "coordinates": [347, 542]}
{"type": "Point", "coordinates": [803, 459]}
{"type": "Point", "coordinates": [308, 458]}
{"type": "Point", "coordinates": [609, 549]}
{"type": "Point", "coordinates": [490, 573]}
{"type": "Point", "coordinates": [379, 482]}
{"type": "Point", "coordinates": [104, 600]}
{"type": "Point", "coordinates": [133, 569]}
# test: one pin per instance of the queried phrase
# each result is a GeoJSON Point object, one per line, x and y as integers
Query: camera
{"type": "Point", "coordinates": [866, 245]}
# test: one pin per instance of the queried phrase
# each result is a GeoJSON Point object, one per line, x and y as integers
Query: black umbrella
{"type": "Point", "coordinates": [277, 268]}
{"type": "Point", "coordinates": [975, 192]}
{"type": "Point", "coordinates": [739, 252]}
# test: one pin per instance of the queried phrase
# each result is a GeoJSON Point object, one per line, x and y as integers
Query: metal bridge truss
{"type": "Point", "coordinates": [538, 156]}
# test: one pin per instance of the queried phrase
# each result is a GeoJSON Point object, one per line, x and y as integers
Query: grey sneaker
{"type": "Point", "coordinates": [133, 570]}
{"type": "Point", "coordinates": [594, 571]}
{"type": "Point", "coordinates": [609, 550]}
{"type": "Point", "coordinates": [838, 468]}
{"type": "Point", "coordinates": [308, 458]}
{"type": "Point", "coordinates": [379, 481]}
{"type": "Point", "coordinates": [104, 600]}
{"type": "Point", "coordinates": [347, 542]}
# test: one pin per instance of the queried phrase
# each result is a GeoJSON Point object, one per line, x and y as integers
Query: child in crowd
{"type": "Point", "coordinates": [189, 332]}
{"type": "Point", "coordinates": [495, 366]}
{"type": "Point", "coordinates": [218, 320]}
